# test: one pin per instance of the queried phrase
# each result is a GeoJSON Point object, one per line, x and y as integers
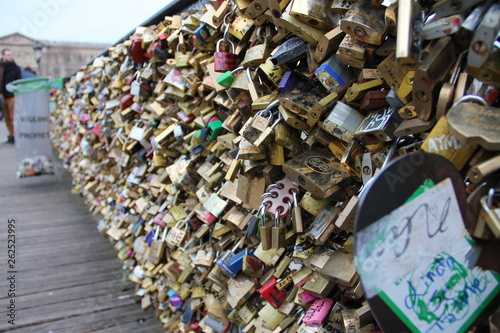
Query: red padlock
{"type": "Point", "coordinates": [136, 51]}
{"type": "Point", "coordinates": [271, 294]}
{"type": "Point", "coordinates": [126, 101]}
{"type": "Point", "coordinates": [225, 61]}
{"type": "Point", "coordinates": [195, 326]}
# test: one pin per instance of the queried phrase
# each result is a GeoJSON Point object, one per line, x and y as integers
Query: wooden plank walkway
{"type": "Point", "coordinates": [67, 276]}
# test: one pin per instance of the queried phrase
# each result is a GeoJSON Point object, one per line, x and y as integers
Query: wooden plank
{"type": "Point", "coordinates": [56, 249]}
{"type": "Point", "coordinates": [115, 318]}
{"type": "Point", "coordinates": [69, 278]}
{"type": "Point", "coordinates": [63, 270]}
{"type": "Point", "coordinates": [63, 310]}
{"type": "Point", "coordinates": [133, 327]}
{"type": "Point", "coordinates": [117, 287]}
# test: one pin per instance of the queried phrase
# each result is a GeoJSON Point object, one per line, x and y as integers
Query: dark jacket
{"type": "Point", "coordinates": [11, 72]}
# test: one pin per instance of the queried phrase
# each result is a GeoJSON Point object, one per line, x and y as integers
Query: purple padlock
{"type": "Point", "coordinates": [288, 82]}
{"type": "Point", "coordinates": [176, 301]}
{"type": "Point", "coordinates": [149, 237]}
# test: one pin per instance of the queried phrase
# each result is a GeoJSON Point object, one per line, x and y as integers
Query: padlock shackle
{"type": "Point", "coordinates": [277, 218]}
{"type": "Point", "coordinates": [225, 36]}
{"type": "Point", "coordinates": [164, 235]}
{"type": "Point", "coordinates": [177, 48]}
{"type": "Point", "coordinates": [273, 186]}
{"type": "Point", "coordinates": [249, 76]}
{"type": "Point", "coordinates": [277, 121]}
{"type": "Point", "coordinates": [260, 35]}
{"type": "Point", "coordinates": [273, 104]}
{"type": "Point", "coordinates": [157, 232]}
{"type": "Point", "coordinates": [237, 69]}
{"type": "Point", "coordinates": [295, 199]}
{"type": "Point", "coordinates": [217, 47]}
{"type": "Point", "coordinates": [266, 195]}
{"type": "Point", "coordinates": [263, 211]}
{"type": "Point", "coordinates": [391, 151]}
{"type": "Point", "coordinates": [471, 98]}
{"type": "Point", "coordinates": [492, 192]}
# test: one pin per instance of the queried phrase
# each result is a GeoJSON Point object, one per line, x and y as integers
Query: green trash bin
{"type": "Point", "coordinates": [32, 126]}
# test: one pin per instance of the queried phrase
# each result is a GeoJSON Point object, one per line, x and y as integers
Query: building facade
{"type": "Point", "coordinates": [58, 59]}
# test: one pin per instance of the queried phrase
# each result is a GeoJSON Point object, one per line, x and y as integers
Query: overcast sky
{"type": "Point", "coordinates": [102, 21]}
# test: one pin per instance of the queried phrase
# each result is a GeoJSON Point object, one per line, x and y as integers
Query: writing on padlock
{"type": "Point", "coordinates": [317, 171]}
{"type": "Point", "coordinates": [271, 294]}
{"type": "Point", "coordinates": [225, 60]}
{"type": "Point", "coordinates": [318, 312]}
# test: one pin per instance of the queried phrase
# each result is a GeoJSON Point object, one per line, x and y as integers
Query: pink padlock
{"type": "Point", "coordinates": [84, 117]}
{"type": "Point", "coordinates": [305, 297]}
{"type": "Point", "coordinates": [318, 312]}
{"type": "Point", "coordinates": [210, 218]}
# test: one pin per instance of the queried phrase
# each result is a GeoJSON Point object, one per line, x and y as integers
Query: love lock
{"type": "Point", "coordinates": [281, 197]}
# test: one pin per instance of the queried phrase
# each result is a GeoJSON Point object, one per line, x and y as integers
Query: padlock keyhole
{"type": "Point", "coordinates": [421, 96]}
{"type": "Point", "coordinates": [302, 181]}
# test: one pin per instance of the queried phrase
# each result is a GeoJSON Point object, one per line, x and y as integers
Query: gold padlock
{"type": "Point", "coordinates": [256, 55]}
{"type": "Point", "coordinates": [365, 22]}
{"type": "Point", "coordinates": [276, 154]}
{"type": "Point", "coordinates": [311, 12]}
{"type": "Point", "coordinates": [304, 31]}
{"type": "Point", "coordinates": [328, 44]}
{"type": "Point", "coordinates": [318, 172]}
{"type": "Point", "coordinates": [182, 58]}
{"type": "Point", "coordinates": [318, 286]}
{"type": "Point", "coordinates": [440, 56]}
{"type": "Point", "coordinates": [286, 136]}
{"type": "Point", "coordinates": [392, 73]}
{"type": "Point", "coordinates": [241, 27]}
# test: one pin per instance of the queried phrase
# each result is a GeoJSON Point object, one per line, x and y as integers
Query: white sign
{"type": "Point", "coordinates": [419, 260]}
{"type": "Point", "coordinates": [398, 242]}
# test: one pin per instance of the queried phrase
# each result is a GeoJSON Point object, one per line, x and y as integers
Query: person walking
{"type": "Point", "coordinates": [27, 72]}
{"type": "Point", "coordinates": [9, 72]}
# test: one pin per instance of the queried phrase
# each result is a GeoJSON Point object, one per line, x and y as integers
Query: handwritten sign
{"type": "Point", "coordinates": [442, 295]}
{"type": "Point", "coordinates": [420, 260]}
{"type": "Point", "coordinates": [416, 231]}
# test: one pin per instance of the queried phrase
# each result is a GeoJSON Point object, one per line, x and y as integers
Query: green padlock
{"type": "Point", "coordinates": [226, 79]}
{"type": "Point", "coordinates": [214, 129]}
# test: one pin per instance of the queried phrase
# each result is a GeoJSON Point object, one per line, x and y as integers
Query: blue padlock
{"type": "Point", "coordinates": [202, 33]}
{"type": "Point", "coordinates": [137, 225]}
{"type": "Point", "coordinates": [188, 314]}
{"type": "Point", "coordinates": [234, 264]}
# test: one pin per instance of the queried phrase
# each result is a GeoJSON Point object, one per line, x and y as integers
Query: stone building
{"type": "Point", "coordinates": [59, 59]}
